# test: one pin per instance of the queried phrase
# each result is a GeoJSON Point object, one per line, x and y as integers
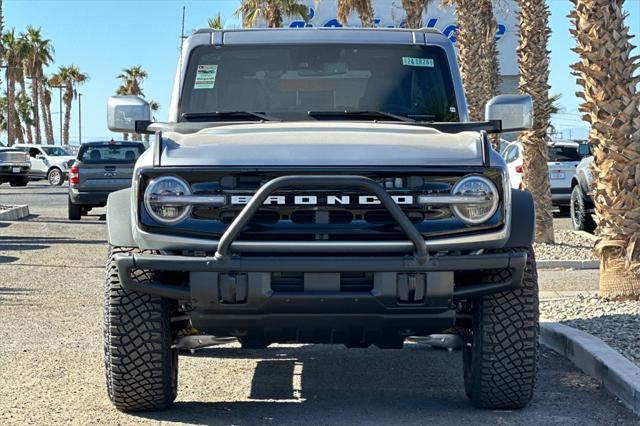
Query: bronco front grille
{"type": "Point", "coordinates": [327, 218]}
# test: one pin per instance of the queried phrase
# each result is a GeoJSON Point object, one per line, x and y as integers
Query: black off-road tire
{"type": "Point", "coordinates": [501, 356]}
{"type": "Point", "coordinates": [580, 217]}
{"type": "Point", "coordinates": [141, 367]}
{"type": "Point", "coordinates": [74, 211]}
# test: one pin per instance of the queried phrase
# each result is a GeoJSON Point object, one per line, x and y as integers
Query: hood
{"type": "Point", "coordinates": [322, 144]}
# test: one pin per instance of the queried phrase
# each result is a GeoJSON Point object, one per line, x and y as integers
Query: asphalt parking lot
{"type": "Point", "coordinates": [51, 273]}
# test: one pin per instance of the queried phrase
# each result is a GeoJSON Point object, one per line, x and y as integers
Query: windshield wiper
{"type": "Point", "coordinates": [221, 115]}
{"type": "Point", "coordinates": [360, 114]}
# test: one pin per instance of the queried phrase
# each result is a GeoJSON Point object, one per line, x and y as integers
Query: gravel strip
{"type": "Point", "coordinates": [616, 323]}
{"type": "Point", "coordinates": [569, 246]}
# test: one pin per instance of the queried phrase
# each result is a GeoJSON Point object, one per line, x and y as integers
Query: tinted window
{"type": "Point", "coordinates": [564, 153]}
{"type": "Point", "coordinates": [55, 151]}
{"type": "Point", "coordinates": [128, 153]}
{"type": "Point", "coordinates": [287, 81]}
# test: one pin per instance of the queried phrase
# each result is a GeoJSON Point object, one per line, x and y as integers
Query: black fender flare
{"type": "Point", "coordinates": [523, 220]}
{"type": "Point", "coordinates": [119, 230]}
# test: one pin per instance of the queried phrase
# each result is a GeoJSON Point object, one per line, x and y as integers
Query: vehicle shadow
{"type": "Point", "coordinates": [293, 385]}
{"type": "Point", "coordinates": [322, 384]}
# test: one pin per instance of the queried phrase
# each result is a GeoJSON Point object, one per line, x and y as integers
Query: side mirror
{"type": "Point", "coordinates": [584, 149]}
{"type": "Point", "coordinates": [515, 112]}
{"type": "Point", "coordinates": [124, 111]}
{"type": "Point", "coordinates": [40, 157]}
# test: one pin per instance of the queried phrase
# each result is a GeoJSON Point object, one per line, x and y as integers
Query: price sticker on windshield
{"type": "Point", "coordinates": [417, 62]}
{"type": "Point", "coordinates": [206, 77]}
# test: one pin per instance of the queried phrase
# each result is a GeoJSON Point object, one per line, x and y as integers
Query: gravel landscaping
{"type": "Point", "coordinates": [569, 245]}
{"type": "Point", "coordinates": [616, 323]}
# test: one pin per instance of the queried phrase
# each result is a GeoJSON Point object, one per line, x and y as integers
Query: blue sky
{"type": "Point", "coordinates": [104, 36]}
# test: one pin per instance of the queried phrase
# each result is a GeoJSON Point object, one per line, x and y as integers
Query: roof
{"type": "Point", "coordinates": [324, 35]}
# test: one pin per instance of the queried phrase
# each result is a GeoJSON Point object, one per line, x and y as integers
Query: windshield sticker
{"type": "Point", "coordinates": [417, 62]}
{"type": "Point", "coordinates": [206, 77]}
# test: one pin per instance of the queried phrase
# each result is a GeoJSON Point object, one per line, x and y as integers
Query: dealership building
{"type": "Point", "coordinates": [389, 14]}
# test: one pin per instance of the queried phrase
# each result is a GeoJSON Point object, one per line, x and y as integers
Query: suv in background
{"type": "Point", "coordinates": [100, 169]}
{"type": "Point", "coordinates": [582, 207]}
{"type": "Point", "coordinates": [563, 160]}
{"type": "Point", "coordinates": [47, 162]}
{"type": "Point", "coordinates": [14, 166]}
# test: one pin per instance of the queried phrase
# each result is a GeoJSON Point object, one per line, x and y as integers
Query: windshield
{"type": "Point", "coordinates": [120, 153]}
{"type": "Point", "coordinates": [290, 81]}
{"type": "Point", "coordinates": [54, 151]}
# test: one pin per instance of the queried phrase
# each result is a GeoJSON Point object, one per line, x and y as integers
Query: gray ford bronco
{"type": "Point", "coordinates": [320, 186]}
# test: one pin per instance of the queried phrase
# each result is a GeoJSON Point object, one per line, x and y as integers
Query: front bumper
{"type": "Point", "coordinates": [237, 297]}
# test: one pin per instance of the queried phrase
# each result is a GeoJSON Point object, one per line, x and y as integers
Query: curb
{"type": "Point", "coordinates": [620, 376]}
{"type": "Point", "coordinates": [568, 264]}
{"type": "Point", "coordinates": [14, 213]}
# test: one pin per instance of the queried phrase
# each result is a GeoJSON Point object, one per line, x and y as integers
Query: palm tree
{"type": "Point", "coordinates": [606, 72]}
{"type": "Point", "coordinates": [272, 11]}
{"type": "Point", "coordinates": [478, 54]}
{"type": "Point", "coordinates": [23, 109]}
{"type": "Point", "coordinates": [46, 98]}
{"type": "Point", "coordinates": [13, 56]}
{"type": "Point", "coordinates": [132, 79]}
{"type": "Point", "coordinates": [533, 61]}
{"type": "Point", "coordinates": [71, 77]}
{"type": "Point", "coordinates": [414, 10]}
{"type": "Point", "coordinates": [131, 84]}
{"type": "Point", "coordinates": [363, 9]}
{"type": "Point", "coordinates": [216, 23]}
{"type": "Point", "coordinates": [39, 53]}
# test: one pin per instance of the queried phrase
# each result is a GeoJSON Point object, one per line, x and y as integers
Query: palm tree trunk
{"type": "Point", "coordinates": [36, 112]}
{"type": "Point", "coordinates": [491, 67]}
{"type": "Point", "coordinates": [611, 105]}
{"type": "Point", "coordinates": [11, 101]}
{"type": "Point", "coordinates": [533, 60]}
{"type": "Point", "coordinates": [125, 136]}
{"type": "Point", "coordinates": [414, 10]}
{"type": "Point", "coordinates": [23, 89]}
{"type": "Point", "coordinates": [68, 98]}
{"type": "Point", "coordinates": [470, 52]}
{"type": "Point", "coordinates": [45, 106]}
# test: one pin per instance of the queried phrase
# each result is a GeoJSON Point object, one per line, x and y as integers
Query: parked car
{"type": "Point", "coordinates": [320, 187]}
{"type": "Point", "coordinates": [47, 162]}
{"type": "Point", "coordinates": [100, 169]}
{"type": "Point", "coordinates": [563, 160]}
{"type": "Point", "coordinates": [14, 166]}
{"type": "Point", "coordinates": [582, 207]}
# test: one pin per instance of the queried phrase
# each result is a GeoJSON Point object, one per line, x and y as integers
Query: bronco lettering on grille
{"type": "Point", "coordinates": [328, 200]}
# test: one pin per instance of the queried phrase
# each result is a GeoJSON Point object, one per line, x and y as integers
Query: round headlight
{"type": "Point", "coordinates": [161, 199]}
{"type": "Point", "coordinates": [483, 210]}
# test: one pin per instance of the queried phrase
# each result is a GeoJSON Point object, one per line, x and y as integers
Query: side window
{"type": "Point", "coordinates": [511, 154]}
{"type": "Point", "coordinates": [33, 152]}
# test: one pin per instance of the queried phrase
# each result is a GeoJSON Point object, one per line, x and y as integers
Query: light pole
{"type": "Point", "coordinates": [60, 90]}
{"type": "Point", "coordinates": [79, 118]}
